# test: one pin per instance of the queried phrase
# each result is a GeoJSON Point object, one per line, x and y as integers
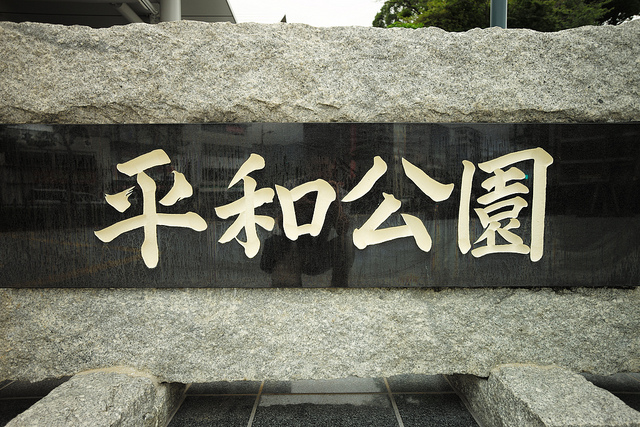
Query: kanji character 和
{"type": "Point", "coordinates": [245, 208]}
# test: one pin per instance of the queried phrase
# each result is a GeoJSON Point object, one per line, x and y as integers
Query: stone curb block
{"type": "Point", "coordinates": [112, 397]}
{"type": "Point", "coordinates": [522, 395]}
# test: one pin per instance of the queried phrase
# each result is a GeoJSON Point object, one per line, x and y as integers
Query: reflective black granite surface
{"type": "Point", "coordinates": [320, 205]}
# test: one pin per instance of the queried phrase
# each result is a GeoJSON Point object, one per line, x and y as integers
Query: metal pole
{"type": "Point", "coordinates": [127, 12]}
{"type": "Point", "coordinates": [498, 13]}
{"type": "Point", "coordinates": [170, 10]}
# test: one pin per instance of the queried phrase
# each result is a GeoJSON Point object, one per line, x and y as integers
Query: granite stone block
{"type": "Point", "coordinates": [204, 335]}
{"type": "Point", "coordinates": [198, 72]}
{"type": "Point", "coordinates": [525, 395]}
{"type": "Point", "coordinates": [114, 397]}
{"type": "Point", "coordinates": [182, 72]}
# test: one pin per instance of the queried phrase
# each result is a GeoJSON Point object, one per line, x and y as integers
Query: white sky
{"type": "Point", "coordinates": [319, 13]}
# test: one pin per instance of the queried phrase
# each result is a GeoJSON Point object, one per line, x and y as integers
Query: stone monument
{"type": "Point", "coordinates": [190, 72]}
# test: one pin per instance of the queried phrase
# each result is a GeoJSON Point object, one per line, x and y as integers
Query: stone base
{"type": "Point", "coordinates": [204, 335]}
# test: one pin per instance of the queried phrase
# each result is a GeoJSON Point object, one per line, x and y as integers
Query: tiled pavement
{"type": "Point", "coordinates": [405, 400]}
{"type": "Point", "coordinates": [410, 400]}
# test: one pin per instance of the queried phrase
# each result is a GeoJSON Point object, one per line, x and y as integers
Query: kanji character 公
{"type": "Point", "coordinates": [369, 233]}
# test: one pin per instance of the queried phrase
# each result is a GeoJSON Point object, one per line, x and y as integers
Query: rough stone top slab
{"type": "Point", "coordinates": [202, 72]}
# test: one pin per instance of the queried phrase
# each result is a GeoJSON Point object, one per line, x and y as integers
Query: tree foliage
{"type": "Point", "coordinates": [553, 15]}
{"type": "Point", "coordinates": [540, 15]}
{"type": "Point", "coordinates": [458, 15]}
{"type": "Point", "coordinates": [620, 11]}
{"type": "Point", "coordinates": [394, 13]}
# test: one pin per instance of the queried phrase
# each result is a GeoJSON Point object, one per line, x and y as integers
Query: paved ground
{"type": "Point", "coordinates": [403, 400]}
{"type": "Point", "coordinates": [406, 400]}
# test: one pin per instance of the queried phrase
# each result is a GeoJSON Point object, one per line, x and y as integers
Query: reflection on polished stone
{"type": "Point", "coordinates": [320, 205]}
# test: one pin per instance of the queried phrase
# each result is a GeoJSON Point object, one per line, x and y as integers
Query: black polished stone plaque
{"type": "Point", "coordinates": [320, 205]}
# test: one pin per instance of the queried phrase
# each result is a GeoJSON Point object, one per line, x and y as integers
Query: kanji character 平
{"type": "Point", "coordinates": [150, 218]}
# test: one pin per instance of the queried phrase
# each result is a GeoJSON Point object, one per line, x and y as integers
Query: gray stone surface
{"type": "Point", "coordinates": [541, 396]}
{"type": "Point", "coordinates": [202, 72]}
{"type": "Point", "coordinates": [198, 72]}
{"type": "Point", "coordinates": [201, 335]}
{"type": "Point", "coordinates": [116, 397]}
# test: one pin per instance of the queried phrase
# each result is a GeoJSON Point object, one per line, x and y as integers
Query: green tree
{"type": "Point", "coordinates": [540, 15]}
{"type": "Point", "coordinates": [452, 15]}
{"type": "Point", "coordinates": [395, 13]}
{"type": "Point", "coordinates": [554, 15]}
{"type": "Point", "coordinates": [620, 11]}
{"type": "Point", "coordinates": [458, 15]}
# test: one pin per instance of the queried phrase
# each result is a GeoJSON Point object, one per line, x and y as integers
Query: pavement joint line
{"type": "Point", "coordinates": [465, 402]}
{"type": "Point", "coordinates": [369, 393]}
{"type": "Point", "coordinates": [177, 406]}
{"type": "Point", "coordinates": [7, 385]}
{"type": "Point", "coordinates": [393, 403]}
{"type": "Point", "coordinates": [223, 395]}
{"type": "Point", "coordinates": [255, 405]}
{"type": "Point", "coordinates": [325, 392]}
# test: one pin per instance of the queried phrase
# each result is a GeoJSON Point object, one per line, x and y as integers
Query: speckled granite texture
{"type": "Point", "coordinates": [200, 72]}
{"type": "Point", "coordinates": [520, 395]}
{"type": "Point", "coordinates": [197, 72]}
{"type": "Point", "coordinates": [117, 397]}
{"type": "Point", "coordinates": [199, 335]}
